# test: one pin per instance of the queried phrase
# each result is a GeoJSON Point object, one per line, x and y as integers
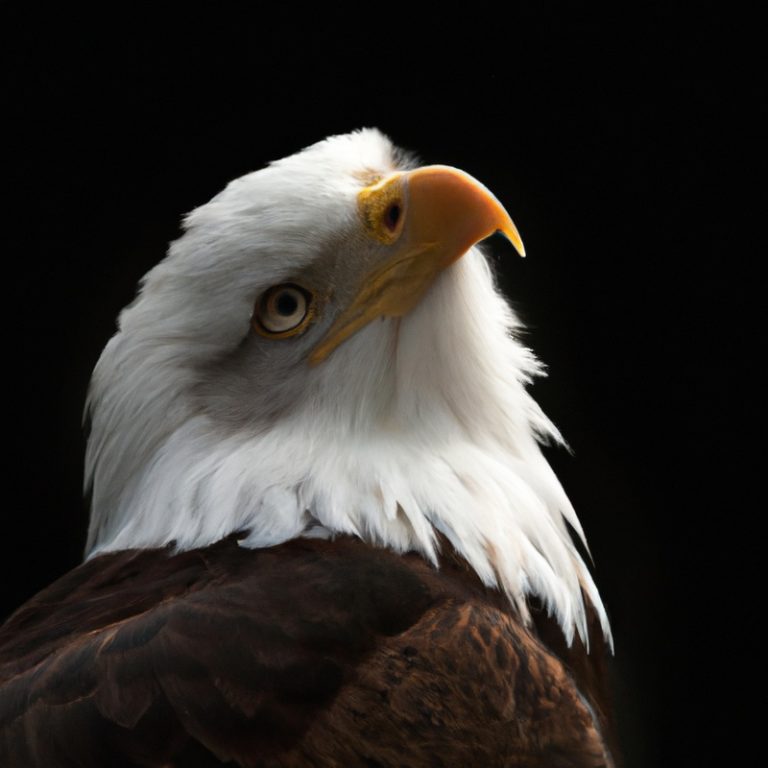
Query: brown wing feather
{"type": "Point", "coordinates": [310, 653]}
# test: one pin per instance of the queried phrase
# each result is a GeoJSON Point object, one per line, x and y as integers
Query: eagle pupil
{"type": "Point", "coordinates": [287, 304]}
{"type": "Point", "coordinates": [392, 216]}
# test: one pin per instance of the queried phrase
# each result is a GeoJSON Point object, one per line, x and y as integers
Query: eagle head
{"type": "Point", "coordinates": [323, 351]}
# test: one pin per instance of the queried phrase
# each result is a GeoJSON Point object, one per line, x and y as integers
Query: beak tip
{"type": "Point", "coordinates": [514, 238]}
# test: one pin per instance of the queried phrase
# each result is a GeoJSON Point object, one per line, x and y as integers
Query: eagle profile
{"type": "Point", "coordinates": [322, 529]}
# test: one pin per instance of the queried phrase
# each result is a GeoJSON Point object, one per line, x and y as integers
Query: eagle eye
{"type": "Point", "coordinates": [283, 310]}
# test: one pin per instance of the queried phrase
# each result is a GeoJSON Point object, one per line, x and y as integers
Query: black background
{"type": "Point", "coordinates": [612, 142]}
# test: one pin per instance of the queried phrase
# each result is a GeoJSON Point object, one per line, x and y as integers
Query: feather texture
{"type": "Point", "coordinates": [310, 653]}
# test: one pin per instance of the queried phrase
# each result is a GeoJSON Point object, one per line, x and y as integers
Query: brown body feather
{"type": "Point", "coordinates": [312, 653]}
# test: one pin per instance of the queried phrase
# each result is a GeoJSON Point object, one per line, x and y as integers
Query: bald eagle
{"type": "Point", "coordinates": [322, 529]}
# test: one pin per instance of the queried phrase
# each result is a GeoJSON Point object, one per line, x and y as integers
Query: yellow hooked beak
{"type": "Point", "coordinates": [427, 219]}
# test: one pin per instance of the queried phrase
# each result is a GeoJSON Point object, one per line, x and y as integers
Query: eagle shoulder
{"type": "Point", "coordinates": [309, 653]}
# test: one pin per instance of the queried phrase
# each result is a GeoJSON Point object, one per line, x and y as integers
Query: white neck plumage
{"type": "Point", "coordinates": [410, 427]}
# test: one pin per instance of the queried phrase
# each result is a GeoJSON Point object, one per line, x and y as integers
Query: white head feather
{"type": "Point", "coordinates": [199, 428]}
